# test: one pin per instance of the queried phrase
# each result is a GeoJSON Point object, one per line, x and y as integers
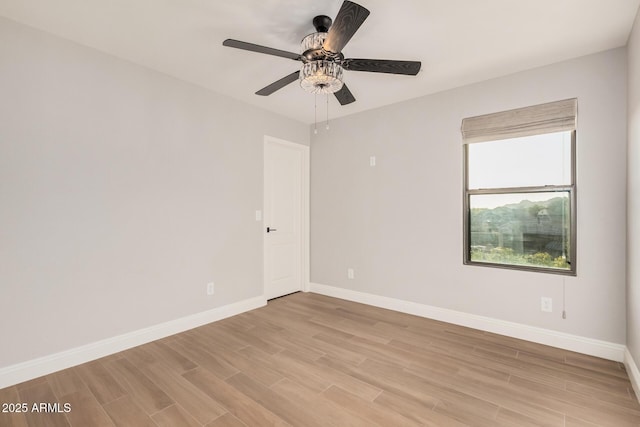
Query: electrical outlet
{"type": "Point", "coordinates": [211, 288]}
{"type": "Point", "coordinates": [350, 273]}
{"type": "Point", "coordinates": [546, 304]}
{"type": "Point", "coordinates": [372, 161]}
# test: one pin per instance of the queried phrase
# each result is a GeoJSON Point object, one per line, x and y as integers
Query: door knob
{"type": "Point", "coordinates": [269, 230]}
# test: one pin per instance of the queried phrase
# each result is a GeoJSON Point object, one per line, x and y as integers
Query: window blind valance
{"type": "Point", "coordinates": [551, 117]}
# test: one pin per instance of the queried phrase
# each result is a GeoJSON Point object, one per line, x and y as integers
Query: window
{"type": "Point", "coordinates": [519, 196]}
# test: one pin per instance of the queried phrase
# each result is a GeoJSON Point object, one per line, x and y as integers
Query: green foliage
{"type": "Point", "coordinates": [526, 233]}
{"type": "Point", "coordinates": [483, 219]}
{"type": "Point", "coordinates": [501, 255]}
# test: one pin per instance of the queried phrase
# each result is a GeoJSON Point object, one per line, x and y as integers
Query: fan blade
{"type": "Point", "coordinates": [261, 49]}
{"type": "Point", "coordinates": [344, 96]}
{"type": "Point", "coordinates": [409, 68]}
{"type": "Point", "coordinates": [268, 90]}
{"type": "Point", "coordinates": [349, 18]}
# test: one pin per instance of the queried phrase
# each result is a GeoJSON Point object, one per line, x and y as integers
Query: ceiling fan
{"type": "Point", "coordinates": [322, 59]}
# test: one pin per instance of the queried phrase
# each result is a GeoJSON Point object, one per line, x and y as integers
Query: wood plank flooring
{"type": "Point", "coordinates": [310, 360]}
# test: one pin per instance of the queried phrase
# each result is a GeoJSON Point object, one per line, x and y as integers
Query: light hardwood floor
{"type": "Point", "coordinates": [310, 360]}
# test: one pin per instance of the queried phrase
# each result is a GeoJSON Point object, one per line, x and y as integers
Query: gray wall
{"type": "Point", "coordinates": [122, 193]}
{"type": "Point", "coordinates": [633, 196]}
{"type": "Point", "coordinates": [399, 224]}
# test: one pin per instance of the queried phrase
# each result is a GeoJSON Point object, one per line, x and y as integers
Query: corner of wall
{"type": "Point", "coordinates": [633, 204]}
{"type": "Point", "coordinates": [634, 373]}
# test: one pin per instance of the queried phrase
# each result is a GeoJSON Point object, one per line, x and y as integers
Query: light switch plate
{"type": "Point", "coordinates": [350, 273]}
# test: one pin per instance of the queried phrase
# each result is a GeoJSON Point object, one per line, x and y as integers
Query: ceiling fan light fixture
{"type": "Point", "coordinates": [321, 76]}
{"type": "Point", "coordinates": [311, 45]}
{"type": "Point", "coordinates": [322, 59]}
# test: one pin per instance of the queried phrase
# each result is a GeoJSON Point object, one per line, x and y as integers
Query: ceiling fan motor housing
{"type": "Point", "coordinates": [311, 46]}
{"type": "Point", "coordinates": [319, 73]}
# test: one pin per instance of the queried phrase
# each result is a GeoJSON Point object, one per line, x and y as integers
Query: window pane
{"type": "Point", "coordinates": [530, 229]}
{"type": "Point", "coordinates": [521, 162]}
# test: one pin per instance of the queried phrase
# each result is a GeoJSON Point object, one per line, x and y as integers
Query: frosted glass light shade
{"type": "Point", "coordinates": [312, 42]}
{"type": "Point", "coordinates": [318, 73]}
{"type": "Point", "coordinates": [321, 76]}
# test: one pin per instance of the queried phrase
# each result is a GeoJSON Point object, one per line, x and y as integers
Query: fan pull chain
{"type": "Point", "coordinates": [315, 113]}
{"type": "Point", "coordinates": [327, 125]}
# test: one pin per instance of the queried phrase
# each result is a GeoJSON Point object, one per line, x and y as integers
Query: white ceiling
{"type": "Point", "coordinates": [458, 41]}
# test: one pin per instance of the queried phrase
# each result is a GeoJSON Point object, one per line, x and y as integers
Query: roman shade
{"type": "Point", "coordinates": [551, 117]}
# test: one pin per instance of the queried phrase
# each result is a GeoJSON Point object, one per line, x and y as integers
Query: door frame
{"type": "Point", "coordinates": [304, 211]}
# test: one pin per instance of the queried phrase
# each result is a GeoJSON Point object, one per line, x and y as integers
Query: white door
{"type": "Point", "coordinates": [285, 196]}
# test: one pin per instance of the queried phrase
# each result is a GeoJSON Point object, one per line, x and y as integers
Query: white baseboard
{"type": "Point", "coordinates": [634, 373]}
{"type": "Point", "coordinates": [592, 347]}
{"type": "Point", "coordinates": [31, 369]}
